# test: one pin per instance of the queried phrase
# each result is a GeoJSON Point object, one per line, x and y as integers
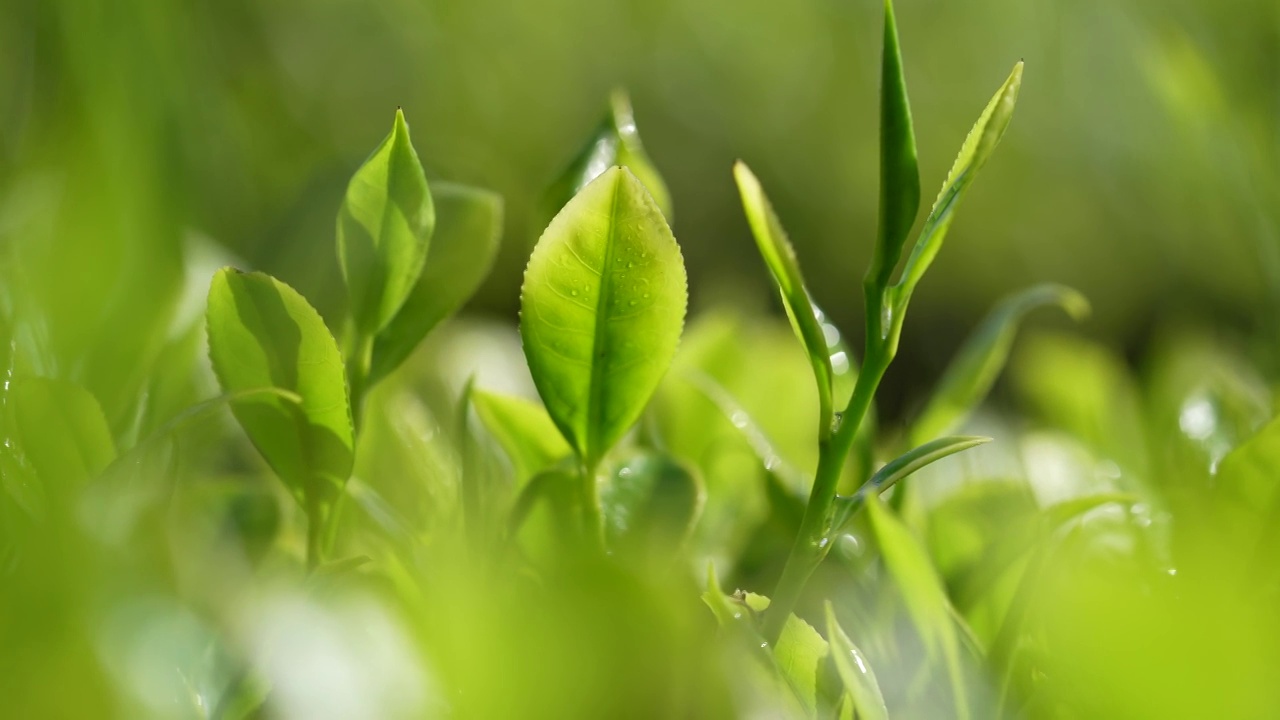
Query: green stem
{"type": "Point", "coordinates": [359, 359]}
{"type": "Point", "coordinates": [593, 518]}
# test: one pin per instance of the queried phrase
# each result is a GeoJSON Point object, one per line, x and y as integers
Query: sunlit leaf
{"type": "Point", "coordinates": [780, 258]}
{"type": "Point", "coordinates": [616, 141]}
{"type": "Point", "coordinates": [384, 227]}
{"type": "Point", "coordinates": [602, 308]}
{"type": "Point", "coordinates": [523, 429]}
{"type": "Point", "coordinates": [649, 503]}
{"type": "Point", "coordinates": [855, 671]}
{"type": "Point", "coordinates": [467, 232]}
{"type": "Point", "coordinates": [977, 149]}
{"type": "Point", "coordinates": [262, 333]}
{"type": "Point", "coordinates": [975, 368]}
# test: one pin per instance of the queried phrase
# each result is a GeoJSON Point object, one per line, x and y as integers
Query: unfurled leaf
{"type": "Point", "coordinates": [384, 227]}
{"type": "Point", "coordinates": [899, 172]}
{"type": "Point", "coordinates": [61, 431]}
{"type": "Point", "coordinates": [523, 429]}
{"type": "Point", "coordinates": [975, 368]}
{"type": "Point", "coordinates": [649, 503]}
{"type": "Point", "coordinates": [467, 232]}
{"type": "Point", "coordinates": [616, 141]}
{"type": "Point", "coordinates": [602, 308]}
{"type": "Point", "coordinates": [780, 258]}
{"type": "Point", "coordinates": [977, 149]}
{"type": "Point", "coordinates": [855, 672]}
{"type": "Point", "coordinates": [898, 468]}
{"type": "Point", "coordinates": [262, 333]}
{"type": "Point", "coordinates": [922, 592]}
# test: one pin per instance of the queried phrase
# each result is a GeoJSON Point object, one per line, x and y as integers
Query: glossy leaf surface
{"type": "Point", "coordinates": [384, 227]}
{"type": "Point", "coordinates": [780, 258]}
{"type": "Point", "coordinates": [975, 368]}
{"type": "Point", "coordinates": [262, 333]}
{"type": "Point", "coordinates": [466, 237]}
{"type": "Point", "coordinates": [602, 308]}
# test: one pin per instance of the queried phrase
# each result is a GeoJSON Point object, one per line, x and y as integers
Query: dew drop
{"type": "Point", "coordinates": [632, 303]}
{"type": "Point", "coordinates": [573, 293]}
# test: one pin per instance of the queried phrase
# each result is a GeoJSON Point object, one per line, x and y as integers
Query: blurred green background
{"type": "Point", "coordinates": [1143, 167]}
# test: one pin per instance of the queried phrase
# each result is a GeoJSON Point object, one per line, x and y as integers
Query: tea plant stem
{"type": "Point", "coordinates": [593, 519]}
{"type": "Point", "coordinates": [358, 363]}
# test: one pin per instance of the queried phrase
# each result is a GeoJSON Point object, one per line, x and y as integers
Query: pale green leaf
{"type": "Point", "coordinates": [855, 672]}
{"type": "Point", "coordinates": [523, 429]}
{"type": "Point", "coordinates": [467, 232]}
{"type": "Point", "coordinates": [602, 308]}
{"type": "Point", "coordinates": [262, 333]}
{"type": "Point", "coordinates": [384, 227]}
{"type": "Point", "coordinates": [975, 368]}
{"type": "Point", "coordinates": [61, 431]}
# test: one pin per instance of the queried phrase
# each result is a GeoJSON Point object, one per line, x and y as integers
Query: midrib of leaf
{"type": "Point", "coordinates": [595, 406]}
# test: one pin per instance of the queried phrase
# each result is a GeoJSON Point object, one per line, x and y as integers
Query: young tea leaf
{"type": "Point", "coordinates": [780, 257]}
{"type": "Point", "coordinates": [975, 368]}
{"type": "Point", "coordinates": [524, 430]}
{"type": "Point", "coordinates": [602, 308]}
{"type": "Point", "coordinates": [855, 672]}
{"type": "Point", "coordinates": [465, 241]}
{"type": "Point", "coordinates": [899, 172]}
{"type": "Point", "coordinates": [61, 431]}
{"type": "Point", "coordinates": [262, 333]}
{"type": "Point", "coordinates": [977, 149]}
{"type": "Point", "coordinates": [615, 142]}
{"type": "Point", "coordinates": [384, 227]}
{"type": "Point", "coordinates": [650, 502]}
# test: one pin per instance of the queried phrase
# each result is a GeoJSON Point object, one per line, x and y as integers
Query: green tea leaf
{"type": "Point", "coordinates": [855, 671]}
{"type": "Point", "coordinates": [898, 468]}
{"type": "Point", "coordinates": [262, 333]}
{"type": "Point", "coordinates": [384, 227]}
{"type": "Point", "coordinates": [922, 592]}
{"type": "Point", "coordinates": [1247, 493]}
{"type": "Point", "coordinates": [650, 503]}
{"type": "Point", "coordinates": [614, 142]}
{"type": "Point", "coordinates": [975, 368]}
{"type": "Point", "coordinates": [899, 172]}
{"type": "Point", "coordinates": [61, 431]}
{"type": "Point", "coordinates": [602, 308]}
{"type": "Point", "coordinates": [780, 257]}
{"type": "Point", "coordinates": [467, 232]}
{"type": "Point", "coordinates": [523, 429]}
{"type": "Point", "coordinates": [977, 149]}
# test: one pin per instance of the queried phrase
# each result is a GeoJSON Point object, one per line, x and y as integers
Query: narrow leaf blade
{"type": "Point", "coordinates": [855, 671]}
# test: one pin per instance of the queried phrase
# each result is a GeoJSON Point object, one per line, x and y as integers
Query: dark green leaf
{"type": "Point", "coordinates": [467, 232]}
{"type": "Point", "coordinates": [899, 173]}
{"type": "Point", "coordinates": [523, 429]}
{"type": "Point", "coordinates": [384, 227]}
{"type": "Point", "coordinates": [262, 333]}
{"type": "Point", "coordinates": [602, 308]}
{"type": "Point", "coordinates": [855, 672]}
{"type": "Point", "coordinates": [615, 142]}
{"type": "Point", "coordinates": [975, 368]}
{"type": "Point", "coordinates": [780, 258]}
{"type": "Point", "coordinates": [649, 503]}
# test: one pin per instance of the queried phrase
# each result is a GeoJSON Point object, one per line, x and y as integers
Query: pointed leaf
{"type": "Point", "coordinates": [60, 430]}
{"type": "Point", "coordinates": [650, 503]}
{"type": "Point", "coordinates": [384, 227]}
{"type": "Point", "coordinates": [922, 592]}
{"type": "Point", "coordinates": [780, 258]}
{"type": "Point", "coordinates": [975, 368]}
{"type": "Point", "coordinates": [614, 142]}
{"type": "Point", "coordinates": [855, 671]}
{"type": "Point", "coordinates": [899, 172]}
{"type": "Point", "coordinates": [602, 308]}
{"type": "Point", "coordinates": [523, 429]}
{"type": "Point", "coordinates": [465, 241]}
{"type": "Point", "coordinates": [977, 149]}
{"type": "Point", "coordinates": [262, 333]}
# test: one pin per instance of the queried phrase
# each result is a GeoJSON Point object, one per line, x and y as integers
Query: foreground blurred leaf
{"type": "Point", "coordinates": [977, 149]}
{"type": "Point", "coordinates": [602, 308]}
{"type": "Point", "coordinates": [523, 429]}
{"type": "Point", "coordinates": [922, 592]}
{"type": "Point", "coordinates": [384, 227]}
{"type": "Point", "coordinates": [616, 141]}
{"type": "Point", "coordinates": [780, 258]}
{"type": "Point", "coordinates": [650, 503]}
{"type": "Point", "coordinates": [262, 333]}
{"type": "Point", "coordinates": [975, 368]}
{"type": "Point", "coordinates": [855, 671]}
{"type": "Point", "coordinates": [61, 431]}
{"type": "Point", "coordinates": [1247, 497]}
{"type": "Point", "coordinates": [463, 245]}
